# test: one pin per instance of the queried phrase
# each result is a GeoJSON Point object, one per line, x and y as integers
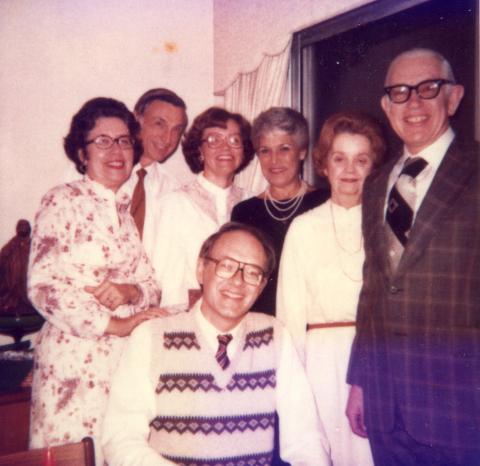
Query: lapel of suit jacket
{"type": "Point", "coordinates": [374, 219]}
{"type": "Point", "coordinates": [449, 181]}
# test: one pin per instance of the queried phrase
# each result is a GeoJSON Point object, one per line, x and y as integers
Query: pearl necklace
{"type": "Point", "coordinates": [341, 248]}
{"type": "Point", "coordinates": [287, 207]}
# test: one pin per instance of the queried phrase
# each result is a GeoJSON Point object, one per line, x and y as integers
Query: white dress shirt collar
{"type": "Point", "coordinates": [148, 168]}
{"type": "Point", "coordinates": [210, 332]}
{"type": "Point", "coordinates": [435, 152]}
{"type": "Point", "coordinates": [434, 155]}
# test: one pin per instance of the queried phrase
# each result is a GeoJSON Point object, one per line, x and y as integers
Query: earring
{"type": "Point", "coordinates": [83, 159]}
{"type": "Point", "coordinates": [84, 165]}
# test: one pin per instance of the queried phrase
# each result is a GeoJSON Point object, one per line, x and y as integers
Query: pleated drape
{"type": "Point", "coordinates": [253, 92]}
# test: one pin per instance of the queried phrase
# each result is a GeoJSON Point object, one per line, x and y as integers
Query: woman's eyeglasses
{"type": "Point", "coordinates": [106, 142]}
{"type": "Point", "coordinates": [215, 140]}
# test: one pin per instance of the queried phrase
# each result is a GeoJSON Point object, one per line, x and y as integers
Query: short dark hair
{"type": "Point", "coordinates": [214, 117]}
{"type": "Point", "coordinates": [351, 123]}
{"type": "Point", "coordinates": [85, 120]}
{"type": "Point", "coordinates": [159, 93]}
{"type": "Point", "coordinates": [281, 118]}
{"type": "Point", "coordinates": [259, 235]}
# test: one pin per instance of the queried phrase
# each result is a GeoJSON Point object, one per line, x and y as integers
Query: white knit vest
{"type": "Point", "coordinates": [207, 416]}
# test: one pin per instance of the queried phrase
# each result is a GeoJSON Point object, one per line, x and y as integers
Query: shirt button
{"type": "Point", "coordinates": [393, 289]}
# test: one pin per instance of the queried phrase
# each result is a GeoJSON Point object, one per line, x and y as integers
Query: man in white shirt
{"type": "Point", "coordinates": [162, 117]}
{"type": "Point", "coordinates": [203, 387]}
{"type": "Point", "coordinates": [415, 361]}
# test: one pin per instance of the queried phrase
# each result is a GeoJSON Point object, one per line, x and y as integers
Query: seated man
{"type": "Point", "coordinates": [202, 388]}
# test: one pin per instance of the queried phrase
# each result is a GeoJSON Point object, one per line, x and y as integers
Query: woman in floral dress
{"type": "Point", "coordinates": [88, 276]}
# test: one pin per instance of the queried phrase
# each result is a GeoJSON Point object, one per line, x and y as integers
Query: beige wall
{"type": "Point", "coordinates": [55, 54]}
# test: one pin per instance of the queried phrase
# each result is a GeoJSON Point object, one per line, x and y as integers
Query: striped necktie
{"type": "Point", "coordinates": [401, 207]}
{"type": "Point", "coordinates": [221, 355]}
{"type": "Point", "coordinates": [137, 207]}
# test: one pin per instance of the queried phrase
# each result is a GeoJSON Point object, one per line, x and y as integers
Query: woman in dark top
{"type": "Point", "coordinates": [280, 138]}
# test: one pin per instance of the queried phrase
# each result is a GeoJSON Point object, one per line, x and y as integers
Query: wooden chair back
{"type": "Point", "coordinates": [73, 454]}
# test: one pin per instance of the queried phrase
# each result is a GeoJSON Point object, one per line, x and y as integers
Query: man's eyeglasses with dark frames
{"type": "Point", "coordinates": [106, 142]}
{"type": "Point", "coordinates": [227, 268]}
{"type": "Point", "coordinates": [428, 89]}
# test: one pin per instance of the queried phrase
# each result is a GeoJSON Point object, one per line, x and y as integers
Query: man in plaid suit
{"type": "Point", "coordinates": [415, 362]}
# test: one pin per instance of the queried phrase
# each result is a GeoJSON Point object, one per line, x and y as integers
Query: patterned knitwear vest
{"type": "Point", "coordinates": [207, 416]}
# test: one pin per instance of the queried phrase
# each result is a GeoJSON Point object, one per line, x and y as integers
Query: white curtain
{"type": "Point", "coordinates": [252, 93]}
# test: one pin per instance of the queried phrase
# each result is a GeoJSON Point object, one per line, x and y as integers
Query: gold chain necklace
{"type": "Point", "coordinates": [341, 248]}
{"type": "Point", "coordinates": [336, 236]}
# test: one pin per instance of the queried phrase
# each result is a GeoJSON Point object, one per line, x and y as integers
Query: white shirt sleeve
{"type": "Point", "coordinates": [302, 437]}
{"type": "Point", "coordinates": [292, 292]}
{"type": "Point", "coordinates": [131, 407]}
{"type": "Point", "coordinates": [170, 253]}
{"type": "Point", "coordinates": [158, 182]}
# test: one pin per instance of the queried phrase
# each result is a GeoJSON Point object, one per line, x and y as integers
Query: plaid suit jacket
{"type": "Point", "coordinates": [417, 348]}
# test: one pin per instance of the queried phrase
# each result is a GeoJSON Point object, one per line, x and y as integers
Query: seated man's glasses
{"type": "Point", "coordinates": [227, 268]}
{"type": "Point", "coordinates": [105, 142]}
{"type": "Point", "coordinates": [427, 89]}
{"type": "Point", "coordinates": [216, 140]}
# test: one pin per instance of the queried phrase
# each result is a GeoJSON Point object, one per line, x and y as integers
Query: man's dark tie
{"type": "Point", "coordinates": [221, 355]}
{"type": "Point", "coordinates": [401, 204]}
{"type": "Point", "coordinates": [137, 208]}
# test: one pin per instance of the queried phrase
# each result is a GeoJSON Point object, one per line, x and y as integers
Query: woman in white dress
{"type": "Point", "coordinates": [88, 276]}
{"type": "Point", "coordinates": [216, 147]}
{"type": "Point", "coordinates": [321, 275]}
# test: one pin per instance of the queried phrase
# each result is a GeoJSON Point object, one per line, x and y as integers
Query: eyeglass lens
{"type": "Point", "coordinates": [216, 140]}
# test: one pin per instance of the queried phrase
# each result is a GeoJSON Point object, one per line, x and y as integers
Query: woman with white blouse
{"type": "Point", "coordinates": [216, 147]}
{"type": "Point", "coordinates": [88, 276]}
{"type": "Point", "coordinates": [321, 275]}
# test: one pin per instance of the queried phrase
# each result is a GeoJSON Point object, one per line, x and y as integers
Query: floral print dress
{"type": "Point", "coordinates": [83, 235]}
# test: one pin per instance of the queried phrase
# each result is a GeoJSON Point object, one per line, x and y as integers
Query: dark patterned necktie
{"type": "Point", "coordinates": [401, 205]}
{"type": "Point", "coordinates": [221, 355]}
{"type": "Point", "coordinates": [137, 208]}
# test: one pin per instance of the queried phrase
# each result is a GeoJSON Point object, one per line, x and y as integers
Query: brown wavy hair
{"type": "Point", "coordinates": [351, 123]}
{"type": "Point", "coordinates": [210, 118]}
